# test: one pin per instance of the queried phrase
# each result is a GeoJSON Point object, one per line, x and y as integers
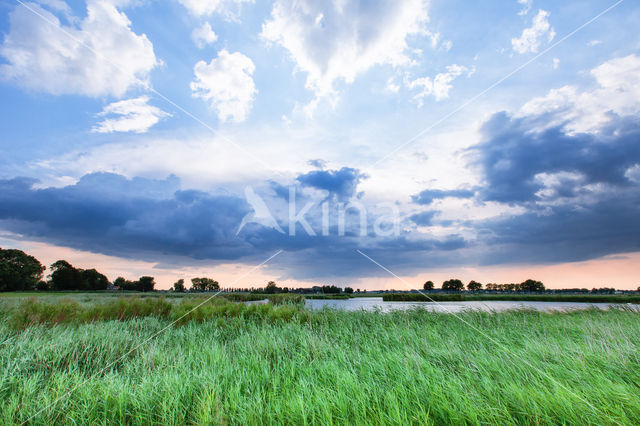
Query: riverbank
{"type": "Point", "coordinates": [460, 297]}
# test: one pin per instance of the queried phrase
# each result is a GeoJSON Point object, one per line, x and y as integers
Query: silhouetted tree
{"type": "Point", "coordinates": [348, 290]}
{"type": "Point", "coordinates": [18, 270]}
{"type": "Point", "coordinates": [65, 277]}
{"type": "Point", "coordinates": [474, 286]}
{"type": "Point", "coordinates": [178, 286]}
{"type": "Point", "coordinates": [146, 283]}
{"type": "Point", "coordinates": [93, 280]}
{"type": "Point", "coordinates": [204, 284]}
{"type": "Point", "coordinates": [452, 285]}
{"type": "Point", "coordinates": [124, 284]}
{"type": "Point", "coordinates": [271, 288]}
{"type": "Point", "coordinates": [428, 285]}
{"type": "Point", "coordinates": [531, 285]}
{"type": "Point", "coordinates": [42, 286]}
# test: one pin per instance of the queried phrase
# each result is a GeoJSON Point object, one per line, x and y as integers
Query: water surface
{"type": "Point", "coordinates": [376, 303]}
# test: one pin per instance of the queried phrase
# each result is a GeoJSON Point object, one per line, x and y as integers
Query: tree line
{"type": "Point", "coordinates": [457, 285]}
{"type": "Point", "coordinates": [22, 272]}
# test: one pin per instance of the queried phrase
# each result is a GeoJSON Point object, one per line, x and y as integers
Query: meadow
{"type": "Point", "coordinates": [233, 363]}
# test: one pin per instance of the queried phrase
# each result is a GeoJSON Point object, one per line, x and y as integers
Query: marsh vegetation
{"type": "Point", "coordinates": [229, 362]}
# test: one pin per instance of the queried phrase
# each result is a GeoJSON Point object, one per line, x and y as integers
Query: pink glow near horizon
{"type": "Point", "coordinates": [620, 271]}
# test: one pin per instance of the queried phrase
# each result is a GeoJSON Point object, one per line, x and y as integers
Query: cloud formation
{"type": "Point", "coordinates": [332, 41]}
{"type": "Point", "coordinates": [617, 94]}
{"type": "Point", "coordinates": [339, 183]}
{"type": "Point", "coordinates": [203, 35]}
{"type": "Point", "coordinates": [430, 195]}
{"type": "Point", "coordinates": [227, 84]}
{"type": "Point", "coordinates": [110, 214]}
{"type": "Point", "coordinates": [580, 190]}
{"type": "Point", "coordinates": [131, 115]}
{"type": "Point", "coordinates": [531, 37]}
{"type": "Point", "coordinates": [99, 56]}
{"type": "Point", "coordinates": [151, 219]}
{"type": "Point", "coordinates": [209, 7]}
{"type": "Point", "coordinates": [438, 86]}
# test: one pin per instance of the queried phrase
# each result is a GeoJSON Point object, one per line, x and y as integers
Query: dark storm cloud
{"type": "Point", "coordinates": [423, 218]}
{"type": "Point", "coordinates": [155, 220]}
{"type": "Point", "coordinates": [566, 233]}
{"type": "Point", "coordinates": [341, 183]}
{"type": "Point", "coordinates": [429, 195]}
{"type": "Point", "coordinates": [514, 153]}
{"type": "Point", "coordinates": [108, 213]}
{"type": "Point", "coordinates": [595, 214]}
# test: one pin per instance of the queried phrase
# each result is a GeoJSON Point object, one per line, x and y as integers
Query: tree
{"type": "Point", "coordinates": [178, 286]}
{"type": "Point", "coordinates": [474, 286]}
{"type": "Point", "coordinates": [65, 277]}
{"type": "Point", "coordinates": [124, 284]}
{"type": "Point", "coordinates": [204, 284]}
{"type": "Point", "coordinates": [271, 288]}
{"type": "Point", "coordinates": [18, 270]}
{"type": "Point", "coordinates": [213, 285]}
{"type": "Point", "coordinates": [330, 289]}
{"type": "Point", "coordinates": [42, 286]}
{"type": "Point", "coordinates": [94, 280]}
{"type": "Point", "coordinates": [146, 283]}
{"type": "Point", "coordinates": [428, 285]}
{"type": "Point", "coordinates": [452, 285]}
{"type": "Point", "coordinates": [348, 290]}
{"type": "Point", "coordinates": [531, 285]}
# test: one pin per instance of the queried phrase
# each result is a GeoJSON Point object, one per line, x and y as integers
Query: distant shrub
{"type": "Point", "coordinates": [242, 297]}
{"type": "Point", "coordinates": [291, 299]}
{"type": "Point", "coordinates": [32, 311]}
{"type": "Point", "coordinates": [197, 311]}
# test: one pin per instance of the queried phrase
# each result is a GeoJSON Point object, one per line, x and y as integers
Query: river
{"type": "Point", "coordinates": [376, 303]}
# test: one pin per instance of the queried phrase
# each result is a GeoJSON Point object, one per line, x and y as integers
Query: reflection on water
{"type": "Point", "coordinates": [373, 303]}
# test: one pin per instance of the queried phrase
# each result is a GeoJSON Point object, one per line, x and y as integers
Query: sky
{"type": "Point", "coordinates": [375, 144]}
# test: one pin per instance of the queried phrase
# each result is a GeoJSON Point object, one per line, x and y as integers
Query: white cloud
{"type": "Point", "coordinates": [209, 7]}
{"type": "Point", "coordinates": [556, 63]}
{"type": "Point", "coordinates": [531, 37]}
{"type": "Point", "coordinates": [618, 92]}
{"type": "Point", "coordinates": [100, 56]}
{"type": "Point", "coordinates": [392, 86]}
{"type": "Point", "coordinates": [131, 115]}
{"type": "Point", "coordinates": [203, 35]}
{"type": "Point", "coordinates": [439, 86]}
{"type": "Point", "coordinates": [526, 6]}
{"type": "Point", "coordinates": [338, 40]}
{"type": "Point", "coordinates": [633, 173]}
{"type": "Point", "coordinates": [227, 84]}
{"type": "Point", "coordinates": [594, 43]}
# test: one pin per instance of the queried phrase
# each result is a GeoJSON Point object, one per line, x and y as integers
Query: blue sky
{"type": "Point", "coordinates": [138, 135]}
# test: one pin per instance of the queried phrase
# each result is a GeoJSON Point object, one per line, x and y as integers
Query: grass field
{"type": "Point", "coordinates": [237, 364]}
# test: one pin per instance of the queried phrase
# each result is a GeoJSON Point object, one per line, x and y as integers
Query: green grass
{"type": "Point", "coordinates": [444, 297]}
{"type": "Point", "coordinates": [243, 364]}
